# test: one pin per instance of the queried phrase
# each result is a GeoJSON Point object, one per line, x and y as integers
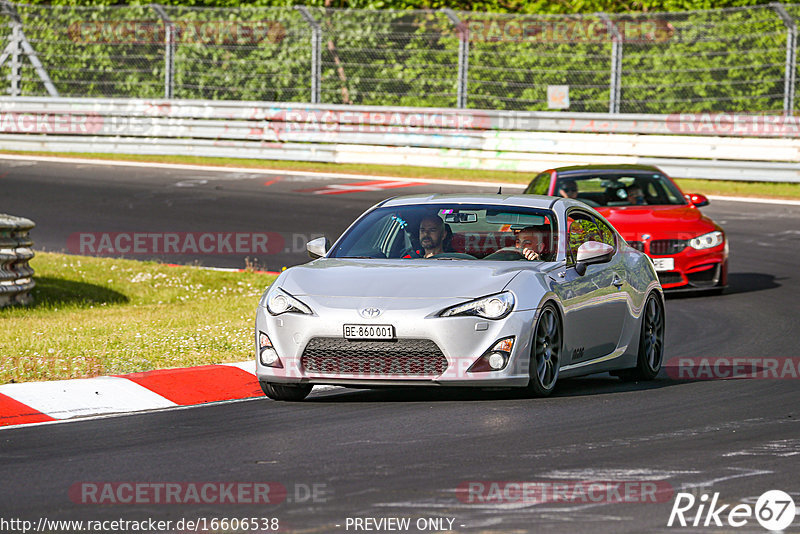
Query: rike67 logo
{"type": "Point", "coordinates": [774, 510]}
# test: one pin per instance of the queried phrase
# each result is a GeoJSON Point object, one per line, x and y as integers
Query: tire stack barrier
{"type": "Point", "coordinates": [16, 275]}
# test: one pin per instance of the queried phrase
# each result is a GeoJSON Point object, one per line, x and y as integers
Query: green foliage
{"type": "Point", "coordinates": [688, 61]}
{"type": "Point", "coordinates": [492, 6]}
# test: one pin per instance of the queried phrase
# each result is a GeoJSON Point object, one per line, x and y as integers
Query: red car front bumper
{"type": "Point", "coordinates": [691, 269]}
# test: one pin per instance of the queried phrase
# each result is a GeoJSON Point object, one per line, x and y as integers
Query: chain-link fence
{"type": "Point", "coordinates": [734, 60]}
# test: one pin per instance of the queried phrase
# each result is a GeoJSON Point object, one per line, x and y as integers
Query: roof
{"type": "Point", "coordinates": [528, 201]}
{"type": "Point", "coordinates": [606, 169]}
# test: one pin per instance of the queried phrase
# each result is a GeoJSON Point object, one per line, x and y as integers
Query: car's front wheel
{"type": "Point", "coordinates": [286, 392]}
{"type": "Point", "coordinates": [545, 352]}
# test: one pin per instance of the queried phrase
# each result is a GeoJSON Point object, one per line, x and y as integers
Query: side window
{"type": "Point", "coordinates": [581, 228]}
{"type": "Point", "coordinates": [539, 185]}
{"type": "Point", "coordinates": [606, 234]}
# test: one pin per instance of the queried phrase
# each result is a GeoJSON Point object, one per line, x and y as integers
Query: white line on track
{"type": "Point", "coordinates": [212, 168]}
{"type": "Point", "coordinates": [328, 175]}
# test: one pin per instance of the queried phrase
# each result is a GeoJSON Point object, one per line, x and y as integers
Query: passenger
{"type": "Point", "coordinates": [635, 195]}
{"type": "Point", "coordinates": [568, 189]}
{"type": "Point", "coordinates": [531, 242]}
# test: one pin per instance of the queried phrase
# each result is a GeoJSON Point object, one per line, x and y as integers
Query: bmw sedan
{"type": "Point", "coordinates": [688, 249]}
{"type": "Point", "coordinates": [462, 290]}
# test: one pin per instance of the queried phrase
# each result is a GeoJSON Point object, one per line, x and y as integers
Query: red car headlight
{"type": "Point", "coordinates": [709, 240]}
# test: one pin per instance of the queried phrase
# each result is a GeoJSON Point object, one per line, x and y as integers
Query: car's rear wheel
{"type": "Point", "coordinates": [286, 392]}
{"type": "Point", "coordinates": [651, 342]}
{"type": "Point", "coordinates": [545, 352]}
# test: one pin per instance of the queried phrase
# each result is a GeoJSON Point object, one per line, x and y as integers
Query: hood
{"type": "Point", "coordinates": [661, 222]}
{"type": "Point", "coordinates": [400, 278]}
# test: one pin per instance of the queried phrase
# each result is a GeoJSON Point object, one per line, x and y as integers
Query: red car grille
{"type": "Point", "coordinates": [638, 245]}
{"type": "Point", "coordinates": [666, 247]}
{"type": "Point", "coordinates": [404, 357]}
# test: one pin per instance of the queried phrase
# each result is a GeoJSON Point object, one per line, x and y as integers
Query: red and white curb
{"type": "Point", "coordinates": [40, 402]}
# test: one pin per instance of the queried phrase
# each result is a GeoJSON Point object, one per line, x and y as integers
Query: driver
{"type": "Point", "coordinates": [568, 189]}
{"type": "Point", "coordinates": [431, 235]}
{"type": "Point", "coordinates": [635, 195]}
{"type": "Point", "coordinates": [433, 238]}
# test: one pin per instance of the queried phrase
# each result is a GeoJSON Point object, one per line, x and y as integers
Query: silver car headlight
{"type": "Point", "coordinates": [282, 302]}
{"type": "Point", "coordinates": [709, 240]}
{"type": "Point", "coordinates": [491, 307]}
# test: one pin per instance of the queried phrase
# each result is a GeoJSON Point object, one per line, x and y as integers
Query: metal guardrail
{"type": "Point", "coordinates": [16, 276]}
{"type": "Point", "coordinates": [710, 146]}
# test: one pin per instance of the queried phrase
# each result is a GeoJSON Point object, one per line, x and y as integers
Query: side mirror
{"type": "Point", "coordinates": [318, 247]}
{"type": "Point", "coordinates": [697, 199]}
{"type": "Point", "coordinates": [590, 253]}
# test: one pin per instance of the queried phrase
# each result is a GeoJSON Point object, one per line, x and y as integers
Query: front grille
{"type": "Point", "coordinates": [666, 247]}
{"type": "Point", "coordinates": [404, 357]}
{"type": "Point", "coordinates": [670, 278]}
{"type": "Point", "coordinates": [638, 245]}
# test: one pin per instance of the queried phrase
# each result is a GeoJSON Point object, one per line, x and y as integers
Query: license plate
{"type": "Point", "coordinates": [664, 264]}
{"type": "Point", "coordinates": [368, 331]}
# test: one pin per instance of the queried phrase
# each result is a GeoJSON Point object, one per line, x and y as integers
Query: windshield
{"type": "Point", "coordinates": [452, 232]}
{"type": "Point", "coordinates": [620, 189]}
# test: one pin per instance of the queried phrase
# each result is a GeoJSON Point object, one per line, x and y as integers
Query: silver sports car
{"type": "Point", "coordinates": [462, 290]}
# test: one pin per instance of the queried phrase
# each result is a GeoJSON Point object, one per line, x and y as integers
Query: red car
{"type": "Point", "coordinates": [688, 249]}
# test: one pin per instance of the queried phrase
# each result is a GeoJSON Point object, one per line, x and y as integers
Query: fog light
{"type": "Point", "coordinates": [496, 361]}
{"type": "Point", "coordinates": [269, 357]}
{"type": "Point", "coordinates": [266, 352]}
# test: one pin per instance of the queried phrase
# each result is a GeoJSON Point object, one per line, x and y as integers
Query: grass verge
{"type": "Point", "coordinates": [101, 316]}
{"type": "Point", "coordinates": [706, 187]}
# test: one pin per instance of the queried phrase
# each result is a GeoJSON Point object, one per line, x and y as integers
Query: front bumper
{"type": "Point", "coordinates": [460, 340]}
{"type": "Point", "coordinates": [696, 270]}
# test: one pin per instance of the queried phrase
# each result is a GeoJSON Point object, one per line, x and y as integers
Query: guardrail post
{"type": "Point", "coordinates": [16, 276]}
{"type": "Point", "coordinates": [169, 50]}
{"type": "Point", "coordinates": [316, 53]}
{"type": "Point", "coordinates": [790, 70]}
{"type": "Point", "coordinates": [615, 84]}
{"type": "Point", "coordinates": [463, 56]}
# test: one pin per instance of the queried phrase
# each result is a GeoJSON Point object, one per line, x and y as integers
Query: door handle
{"type": "Point", "coordinates": [617, 281]}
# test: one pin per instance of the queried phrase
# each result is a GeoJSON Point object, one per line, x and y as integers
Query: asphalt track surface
{"type": "Point", "coordinates": [403, 453]}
